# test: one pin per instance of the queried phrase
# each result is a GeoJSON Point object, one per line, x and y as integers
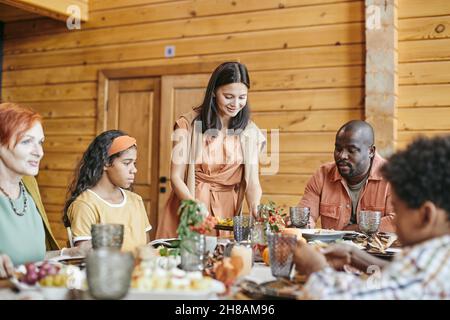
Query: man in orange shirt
{"type": "Point", "coordinates": [339, 190]}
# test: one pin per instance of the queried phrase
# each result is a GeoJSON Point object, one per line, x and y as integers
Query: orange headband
{"type": "Point", "coordinates": [120, 144]}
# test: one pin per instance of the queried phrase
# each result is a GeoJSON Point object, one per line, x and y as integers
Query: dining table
{"type": "Point", "coordinates": [260, 273]}
{"type": "Point", "coordinates": [259, 283]}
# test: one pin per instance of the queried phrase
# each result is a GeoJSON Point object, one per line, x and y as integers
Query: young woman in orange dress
{"type": "Point", "coordinates": [216, 152]}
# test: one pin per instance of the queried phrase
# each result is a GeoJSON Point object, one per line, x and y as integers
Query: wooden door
{"type": "Point", "coordinates": [133, 106]}
{"type": "Point", "coordinates": [179, 94]}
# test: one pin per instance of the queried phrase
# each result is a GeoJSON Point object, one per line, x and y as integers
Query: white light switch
{"type": "Point", "coordinates": [169, 51]}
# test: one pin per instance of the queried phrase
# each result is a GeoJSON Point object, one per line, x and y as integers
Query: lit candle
{"type": "Point", "coordinates": [246, 253]}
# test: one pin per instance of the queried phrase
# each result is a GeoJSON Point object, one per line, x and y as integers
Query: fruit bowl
{"type": "Point", "coordinates": [51, 278]}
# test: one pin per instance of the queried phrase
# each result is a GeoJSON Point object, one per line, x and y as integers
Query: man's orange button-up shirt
{"type": "Point", "coordinates": [326, 196]}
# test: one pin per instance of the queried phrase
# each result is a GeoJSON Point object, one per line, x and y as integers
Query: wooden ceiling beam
{"type": "Point", "coordinates": [56, 9]}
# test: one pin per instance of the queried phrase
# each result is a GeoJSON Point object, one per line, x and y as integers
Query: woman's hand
{"type": "Point", "coordinates": [254, 211]}
{"type": "Point", "coordinates": [6, 266]}
{"type": "Point", "coordinates": [308, 259]}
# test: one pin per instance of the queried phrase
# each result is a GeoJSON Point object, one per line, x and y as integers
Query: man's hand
{"type": "Point", "coordinates": [6, 266]}
{"type": "Point", "coordinates": [308, 259]}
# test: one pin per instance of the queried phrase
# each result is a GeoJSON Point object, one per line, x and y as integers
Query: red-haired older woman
{"type": "Point", "coordinates": [25, 234]}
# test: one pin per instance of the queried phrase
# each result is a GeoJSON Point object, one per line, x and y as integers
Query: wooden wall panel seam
{"type": "Point", "coordinates": [421, 8]}
{"type": "Point", "coordinates": [252, 10]}
{"type": "Point", "coordinates": [424, 50]}
{"type": "Point", "coordinates": [158, 2]}
{"type": "Point", "coordinates": [101, 66]}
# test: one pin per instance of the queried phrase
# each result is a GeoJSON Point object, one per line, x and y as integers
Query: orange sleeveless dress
{"type": "Point", "coordinates": [218, 177]}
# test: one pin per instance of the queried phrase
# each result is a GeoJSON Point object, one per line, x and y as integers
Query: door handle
{"type": "Point", "coordinates": [162, 179]}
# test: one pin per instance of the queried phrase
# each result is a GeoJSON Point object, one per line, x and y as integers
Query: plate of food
{"type": "Point", "coordinates": [387, 255]}
{"type": "Point", "coordinates": [52, 280]}
{"type": "Point", "coordinates": [224, 224]}
{"type": "Point", "coordinates": [324, 235]}
{"type": "Point", "coordinates": [168, 243]}
{"type": "Point", "coordinates": [215, 287]}
{"type": "Point", "coordinates": [380, 244]}
{"type": "Point", "coordinates": [174, 284]}
{"type": "Point", "coordinates": [277, 289]}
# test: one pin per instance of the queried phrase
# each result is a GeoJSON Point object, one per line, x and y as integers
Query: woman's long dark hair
{"type": "Point", "coordinates": [226, 73]}
{"type": "Point", "coordinates": [90, 168]}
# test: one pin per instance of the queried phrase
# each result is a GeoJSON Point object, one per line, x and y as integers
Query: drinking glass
{"type": "Point", "coordinates": [192, 251]}
{"type": "Point", "coordinates": [107, 235]}
{"type": "Point", "coordinates": [281, 252]}
{"type": "Point", "coordinates": [259, 240]}
{"type": "Point", "coordinates": [369, 221]}
{"type": "Point", "coordinates": [108, 273]}
{"type": "Point", "coordinates": [299, 216]}
{"type": "Point", "coordinates": [242, 226]}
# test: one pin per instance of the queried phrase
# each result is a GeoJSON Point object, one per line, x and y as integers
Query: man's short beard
{"type": "Point", "coordinates": [350, 174]}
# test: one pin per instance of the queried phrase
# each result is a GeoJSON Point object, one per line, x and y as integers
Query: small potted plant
{"type": "Point", "coordinates": [273, 216]}
{"type": "Point", "coordinates": [195, 222]}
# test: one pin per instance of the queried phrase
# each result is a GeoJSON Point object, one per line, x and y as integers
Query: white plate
{"type": "Point", "coordinates": [48, 293]}
{"type": "Point", "coordinates": [65, 258]}
{"type": "Point", "coordinates": [23, 286]}
{"type": "Point", "coordinates": [54, 293]}
{"type": "Point", "coordinates": [322, 234]}
{"type": "Point", "coordinates": [215, 288]}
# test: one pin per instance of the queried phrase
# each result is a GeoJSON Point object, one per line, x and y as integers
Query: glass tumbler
{"type": "Point", "coordinates": [281, 252]}
{"type": "Point", "coordinates": [107, 235]}
{"type": "Point", "coordinates": [299, 216]}
{"type": "Point", "coordinates": [369, 221]}
{"type": "Point", "coordinates": [108, 273]}
{"type": "Point", "coordinates": [193, 253]}
{"type": "Point", "coordinates": [242, 227]}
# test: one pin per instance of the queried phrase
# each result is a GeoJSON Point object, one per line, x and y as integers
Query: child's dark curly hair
{"type": "Point", "coordinates": [421, 173]}
{"type": "Point", "coordinates": [90, 168]}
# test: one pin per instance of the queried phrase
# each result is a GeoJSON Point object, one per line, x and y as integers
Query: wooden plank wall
{"type": "Point", "coordinates": [424, 69]}
{"type": "Point", "coordinates": [306, 62]}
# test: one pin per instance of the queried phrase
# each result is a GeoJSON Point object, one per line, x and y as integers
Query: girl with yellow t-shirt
{"type": "Point", "coordinates": [99, 194]}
